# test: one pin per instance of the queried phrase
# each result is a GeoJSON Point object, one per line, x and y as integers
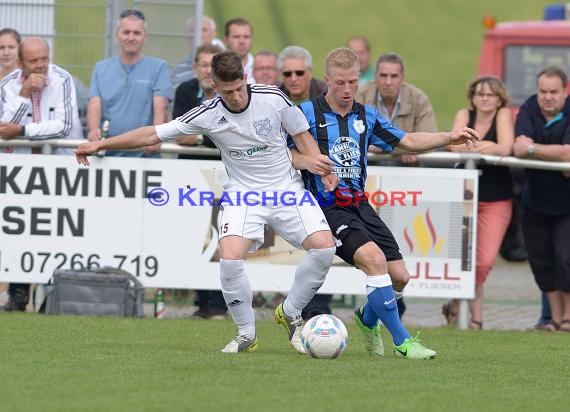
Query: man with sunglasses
{"type": "Point", "coordinates": [296, 67]}
{"type": "Point", "coordinates": [246, 123]}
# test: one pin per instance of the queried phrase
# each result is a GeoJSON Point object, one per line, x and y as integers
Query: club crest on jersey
{"type": "Point", "coordinates": [262, 127]}
{"type": "Point", "coordinates": [358, 126]}
{"type": "Point", "coordinates": [345, 151]}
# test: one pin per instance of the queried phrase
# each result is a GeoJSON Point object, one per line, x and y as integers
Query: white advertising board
{"type": "Point", "coordinates": [56, 214]}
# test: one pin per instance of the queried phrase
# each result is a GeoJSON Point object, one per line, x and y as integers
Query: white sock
{"type": "Point", "coordinates": [398, 295]}
{"type": "Point", "coordinates": [238, 295]}
{"type": "Point", "coordinates": [373, 282]}
{"type": "Point", "coordinates": [309, 277]}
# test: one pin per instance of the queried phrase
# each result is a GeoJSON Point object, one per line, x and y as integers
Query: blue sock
{"type": "Point", "coordinates": [382, 301]}
{"type": "Point", "coordinates": [369, 317]}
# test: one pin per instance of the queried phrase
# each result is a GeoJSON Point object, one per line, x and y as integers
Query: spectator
{"type": "Point", "coordinates": [38, 101]}
{"type": "Point", "coordinates": [543, 133]}
{"type": "Point", "coordinates": [253, 115]}
{"type": "Point", "coordinates": [489, 115]}
{"type": "Point", "coordinates": [129, 90]}
{"type": "Point", "coordinates": [296, 66]}
{"type": "Point", "coordinates": [361, 46]}
{"type": "Point", "coordinates": [192, 93]}
{"type": "Point", "coordinates": [239, 39]}
{"type": "Point", "coordinates": [183, 70]}
{"type": "Point", "coordinates": [265, 68]}
{"type": "Point", "coordinates": [336, 121]}
{"type": "Point", "coordinates": [9, 41]}
{"type": "Point", "coordinates": [403, 104]}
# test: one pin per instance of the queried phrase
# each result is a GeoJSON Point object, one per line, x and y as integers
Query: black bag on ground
{"type": "Point", "coordinates": [105, 291]}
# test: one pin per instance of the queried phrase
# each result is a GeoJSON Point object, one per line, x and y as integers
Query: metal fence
{"type": "Point", "coordinates": [442, 159]}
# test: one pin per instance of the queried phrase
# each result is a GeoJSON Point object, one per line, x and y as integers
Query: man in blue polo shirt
{"type": "Point", "coordinates": [130, 90]}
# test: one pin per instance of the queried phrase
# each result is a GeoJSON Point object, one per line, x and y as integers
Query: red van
{"type": "Point", "coordinates": [516, 51]}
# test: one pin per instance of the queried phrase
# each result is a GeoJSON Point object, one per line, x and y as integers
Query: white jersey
{"type": "Point", "coordinates": [252, 142]}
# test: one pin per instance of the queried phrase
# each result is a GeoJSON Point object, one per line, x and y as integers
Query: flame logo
{"type": "Point", "coordinates": [424, 235]}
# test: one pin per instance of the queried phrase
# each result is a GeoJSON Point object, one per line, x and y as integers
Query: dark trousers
{"type": "Point", "coordinates": [548, 245]}
{"type": "Point", "coordinates": [210, 299]}
{"type": "Point", "coordinates": [513, 247]}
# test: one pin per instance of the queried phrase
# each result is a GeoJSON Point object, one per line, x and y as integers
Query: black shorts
{"type": "Point", "coordinates": [355, 226]}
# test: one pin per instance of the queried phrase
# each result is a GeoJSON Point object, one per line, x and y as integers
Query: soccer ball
{"type": "Point", "coordinates": [324, 337]}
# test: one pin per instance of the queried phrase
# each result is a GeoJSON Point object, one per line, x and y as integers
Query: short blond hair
{"type": "Point", "coordinates": [341, 58]}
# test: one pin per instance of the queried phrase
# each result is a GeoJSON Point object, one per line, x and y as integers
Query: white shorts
{"type": "Point", "coordinates": [294, 216]}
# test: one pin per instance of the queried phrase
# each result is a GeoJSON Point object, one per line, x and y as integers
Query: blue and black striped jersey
{"type": "Point", "coordinates": [345, 140]}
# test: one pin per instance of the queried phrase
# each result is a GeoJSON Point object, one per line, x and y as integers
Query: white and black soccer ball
{"type": "Point", "coordinates": [324, 337]}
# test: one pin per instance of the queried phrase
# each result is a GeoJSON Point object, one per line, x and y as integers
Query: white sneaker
{"type": "Point", "coordinates": [241, 344]}
{"type": "Point", "coordinates": [294, 327]}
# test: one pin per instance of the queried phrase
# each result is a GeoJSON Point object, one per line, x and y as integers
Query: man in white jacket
{"type": "Point", "coordinates": [37, 101]}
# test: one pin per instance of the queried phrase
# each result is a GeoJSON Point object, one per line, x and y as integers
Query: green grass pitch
{"type": "Point", "coordinates": [62, 363]}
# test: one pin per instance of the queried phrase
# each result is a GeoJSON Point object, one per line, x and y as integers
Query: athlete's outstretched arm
{"type": "Point", "coordinates": [134, 139]}
{"type": "Point", "coordinates": [421, 141]}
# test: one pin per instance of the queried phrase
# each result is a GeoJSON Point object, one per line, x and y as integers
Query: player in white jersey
{"type": "Point", "coordinates": [251, 142]}
{"type": "Point", "coordinates": [247, 123]}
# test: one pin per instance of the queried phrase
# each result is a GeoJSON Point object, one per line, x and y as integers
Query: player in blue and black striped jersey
{"type": "Point", "coordinates": [343, 130]}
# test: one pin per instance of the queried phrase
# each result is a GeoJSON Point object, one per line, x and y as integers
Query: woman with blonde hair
{"type": "Point", "coordinates": [489, 116]}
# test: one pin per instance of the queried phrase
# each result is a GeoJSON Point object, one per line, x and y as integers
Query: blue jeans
{"type": "Point", "coordinates": [545, 314]}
